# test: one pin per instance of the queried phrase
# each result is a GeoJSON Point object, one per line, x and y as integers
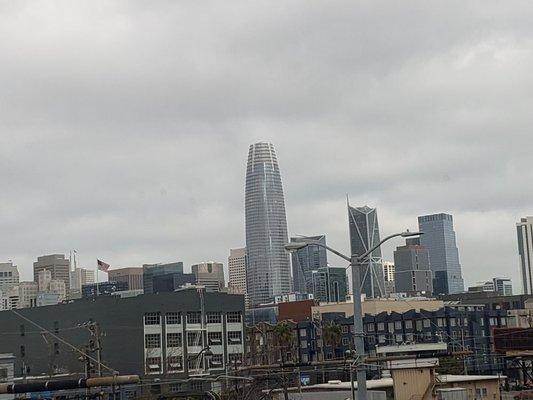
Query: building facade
{"type": "Point", "coordinates": [307, 260]}
{"type": "Point", "coordinates": [172, 282]}
{"type": "Point", "coordinates": [503, 286]}
{"type": "Point", "coordinates": [57, 264]}
{"type": "Point", "coordinates": [80, 277]}
{"type": "Point", "coordinates": [152, 270]}
{"type": "Point", "coordinates": [388, 277]}
{"type": "Point", "coordinates": [329, 284]}
{"type": "Point", "coordinates": [268, 269]}
{"type": "Point", "coordinates": [412, 271]}
{"type": "Point", "coordinates": [209, 274]}
{"type": "Point", "coordinates": [524, 230]}
{"type": "Point", "coordinates": [237, 270]}
{"type": "Point", "coordinates": [364, 234]}
{"type": "Point", "coordinates": [9, 276]}
{"type": "Point", "coordinates": [133, 276]}
{"type": "Point", "coordinates": [103, 289]}
{"type": "Point", "coordinates": [439, 239]}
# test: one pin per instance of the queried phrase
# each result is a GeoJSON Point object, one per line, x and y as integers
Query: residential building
{"type": "Point", "coordinates": [237, 270]}
{"type": "Point", "coordinates": [268, 267]}
{"type": "Point", "coordinates": [439, 239]}
{"type": "Point", "coordinates": [364, 234]}
{"type": "Point", "coordinates": [9, 276]}
{"type": "Point", "coordinates": [412, 272]}
{"type": "Point", "coordinates": [388, 277]}
{"type": "Point", "coordinates": [524, 230]}
{"type": "Point", "coordinates": [152, 270]}
{"type": "Point", "coordinates": [172, 282]}
{"type": "Point", "coordinates": [173, 330]}
{"type": "Point", "coordinates": [209, 274]}
{"type": "Point", "coordinates": [57, 264]}
{"type": "Point", "coordinates": [329, 284]}
{"type": "Point", "coordinates": [103, 288]}
{"type": "Point", "coordinates": [133, 276]}
{"type": "Point", "coordinates": [306, 260]}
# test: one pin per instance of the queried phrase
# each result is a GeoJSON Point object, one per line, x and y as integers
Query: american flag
{"type": "Point", "coordinates": [102, 266]}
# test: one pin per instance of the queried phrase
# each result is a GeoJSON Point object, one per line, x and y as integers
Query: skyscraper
{"type": "Point", "coordinates": [388, 277]}
{"type": "Point", "coordinates": [150, 271]}
{"type": "Point", "coordinates": [268, 269]}
{"type": "Point", "coordinates": [412, 271]}
{"type": "Point", "coordinates": [237, 270]}
{"type": "Point", "coordinates": [364, 234]}
{"type": "Point", "coordinates": [329, 284]}
{"type": "Point", "coordinates": [524, 230]}
{"type": "Point", "coordinates": [209, 274]}
{"type": "Point", "coordinates": [307, 260]}
{"type": "Point", "coordinates": [439, 239]}
{"type": "Point", "coordinates": [57, 264]}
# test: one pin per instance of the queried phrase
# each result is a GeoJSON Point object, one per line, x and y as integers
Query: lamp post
{"type": "Point", "coordinates": [355, 262]}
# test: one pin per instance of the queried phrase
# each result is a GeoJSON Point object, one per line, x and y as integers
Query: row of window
{"type": "Point", "coordinates": [175, 363]}
{"type": "Point", "coordinates": [193, 317]}
{"type": "Point", "coordinates": [175, 339]}
{"type": "Point", "coordinates": [426, 323]}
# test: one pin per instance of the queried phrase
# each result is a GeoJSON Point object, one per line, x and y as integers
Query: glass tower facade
{"type": "Point", "coordinates": [439, 239]}
{"type": "Point", "coordinates": [364, 234]}
{"type": "Point", "coordinates": [329, 284]}
{"type": "Point", "coordinates": [307, 260]}
{"type": "Point", "coordinates": [524, 230]}
{"type": "Point", "coordinates": [268, 270]}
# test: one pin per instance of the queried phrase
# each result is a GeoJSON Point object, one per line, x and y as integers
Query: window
{"type": "Point", "coordinates": [3, 374]}
{"type": "Point", "coordinates": [381, 338]}
{"type": "Point", "coordinates": [174, 339]}
{"type": "Point", "coordinates": [175, 387]}
{"type": "Point", "coordinates": [197, 386]}
{"type": "Point", "coordinates": [503, 321]}
{"type": "Point", "coordinates": [398, 325]}
{"type": "Point", "coordinates": [153, 364]}
{"type": "Point", "coordinates": [56, 348]}
{"type": "Point", "coordinates": [194, 338]}
{"type": "Point", "coordinates": [214, 338]}
{"type": "Point", "coordinates": [440, 322]}
{"type": "Point", "coordinates": [408, 324]}
{"type": "Point", "coordinates": [194, 317]}
{"type": "Point", "coordinates": [152, 319]}
{"type": "Point", "coordinates": [173, 318]}
{"type": "Point", "coordinates": [391, 326]}
{"type": "Point", "coordinates": [426, 323]}
{"type": "Point", "coordinates": [175, 363]}
{"type": "Point", "coordinates": [152, 340]}
{"type": "Point", "coordinates": [399, 338]}
{"type": "Point", "coordinates": [303, 332]}
{"type": "Point", "coordinates": [235, 359]}
{"type": "Point", "coordinates": [418, 325]}
{"type": "Point", "coordinates": [234, 337]}
{"type": "Point", "coordinates": [452, 322]}
{"type": "Point", "coordinates": [22, 351]}
{"type": "Point", "coordinates": [303, 344]}
{"type": "Point", "coordinates": [22, 330]}
{"type": "Point", "coordinates": [409, 337]}
{"type": "Point", "coordinates": [234, 317]}
{"type": "Point", "coordinates": [493, 321]}
{"type": "Point", "coordinates": [370, 327]}
{"type": "Point", "coordinates": [216, 361]}
{"type": "Point", "coordinates": [345, 341]}
{"type": "Point", "coordinates": [214, 318]}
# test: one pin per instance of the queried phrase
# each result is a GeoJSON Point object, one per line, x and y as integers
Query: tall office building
{"type": "Point", "coordinates": [364, 234]}
{"type": "Point", "coordinates": [307, 260]}
{"type": "Point", "coordinates": [412, 272]}
{"type": "Point", "coordinates": [80, 277]}
{"type": "Point", "coordinates": [503, 286]}
{"type": "Point", "coordinates": [133, 276]}
{"type": "Point", "coordinates": [439, 239]}
{"type": "Point", "coordinates": [209, 274]}
{"type": "Point", "coordinates": [152, 270]}
{"type": "Point", "coordinates": [524, 230]}
{"type": "Point", "coordinates": [237, 270]}
{"type": "Point", "coordinates": [9, 276]}
{"type": "Point", "coordinates": [388, 277]}
{"type": "Point", "coordinates": [57, 264]}
{"type": "Point", "coordinates": [329, 284]}
{"type": "Point", "coordinates": [268, 270]}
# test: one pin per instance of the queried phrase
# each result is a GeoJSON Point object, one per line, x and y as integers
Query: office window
{"type": "Point", "coordinates": [234, 317]}
{"type": "Point", "coordinates": [152, 318]}
{"type": "Point", "coordinates": [174, 339]}
{"type": "Point", "coordinates": [175, 363]}
{"type": "Point", "coordinates": [234, 337]}
{"type": "Point", "coordinates": [152, 340]}
{"type": "Point", "coordinates": [216, 361]}
{"type": "Point", "coordinates": [173, 318]}
{"type": "Point", "coordinates": [214, 318]}
{"type": "Point", "coordinates": [214, 338]}
{"type": "Point", "coordinates": [153, 364]}
{"type": "Point", "coordinates": [194, 338]}
{"type": "Point", "coordinates": [194, 317]}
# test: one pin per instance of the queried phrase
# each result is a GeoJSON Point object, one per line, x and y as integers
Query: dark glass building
{"type": "Point", "coordinates": [330, 284]}
{"type": "Point", "coordinates": [307, 260]}
{"type": "Point", "coordinates": [364, 234]}
{"type": "Point", "coordinates": [150, 271]}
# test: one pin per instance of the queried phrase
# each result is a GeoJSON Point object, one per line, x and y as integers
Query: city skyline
{"type": "Point", "coordinates": [422, 115]}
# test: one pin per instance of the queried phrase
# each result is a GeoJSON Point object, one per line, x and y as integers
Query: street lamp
{"type": "Point", "coordinates": [355, 262]}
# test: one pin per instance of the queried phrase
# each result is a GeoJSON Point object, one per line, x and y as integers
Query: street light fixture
{"type": "Point", "coordinates": [355, 262]}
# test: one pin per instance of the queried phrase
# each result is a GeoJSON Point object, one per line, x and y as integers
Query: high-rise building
{"type": "Point", "coordinates": [80, 277]}
{"type": "Point", "coordinates": [503, 286]}
{"type": "Point", "coordinates": [439, 239]}
{"type": "Point", "coordinates": [133, 276]}
{"type": "Point", "coordinates": [9, 276]}
{"type": "Point", "coordinates": [268, 270]}
{"type": "Point", "coordinates": [209, 274]}
{"type": "Point", "coordinates": [412, 272]}
{"type": "Point", "coordinates": [152, 270]}
{"type": "Point", "coordinates": [237, 270]}
{"type": "Point", "coordinates": [329, 284]}
{"type": "Point", "coordinates": [57, 264]}
{"type": "Point", "coordinates": [27, 294]}
{"type": "Point", "coordinates": [388, 277]}
{"type": "Point", "coordinates": [524, 230]}
{"type": "Point", "coordinates": [364, 234]}
{"type": "Point", "coordinates": [305, 261]}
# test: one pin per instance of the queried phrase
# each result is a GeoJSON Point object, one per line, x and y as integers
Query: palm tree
{"type": "Point", "coordinates": [284, 335]}
{"type": "Point", "coordinates": [331, 335]}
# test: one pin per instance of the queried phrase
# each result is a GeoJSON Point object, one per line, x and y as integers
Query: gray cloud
{"type": "Point", "coordinates": [124, 126]}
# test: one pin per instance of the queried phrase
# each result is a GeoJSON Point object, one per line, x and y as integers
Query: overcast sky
{"type": "Point", "coordinates": [125, 126]}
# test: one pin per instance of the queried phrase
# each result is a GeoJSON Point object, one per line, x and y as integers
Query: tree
{"type": "Point", "coordinates": [331, 335]}
{"type": "Point", "coordinates": [284, 336]}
